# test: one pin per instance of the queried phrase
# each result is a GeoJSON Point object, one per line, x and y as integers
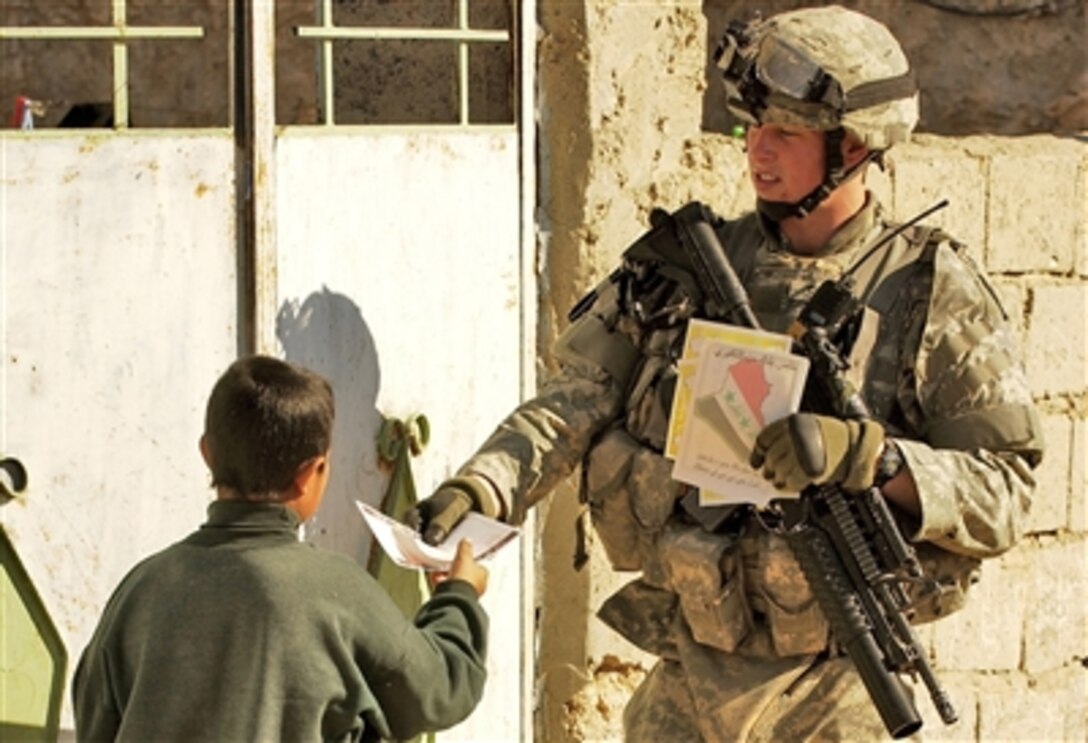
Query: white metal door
{"type": "Point", "coordinates": [410, 301]}
{"type": "Point", "coordinates": [117, 314]}
{"type": "Point", "coordinates": [395, 260]}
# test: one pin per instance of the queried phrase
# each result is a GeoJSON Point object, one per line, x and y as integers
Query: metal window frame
{"type": "Point", "coordinates": [121, 33]}
{"type": "Point", "coordinates": [326, 32]}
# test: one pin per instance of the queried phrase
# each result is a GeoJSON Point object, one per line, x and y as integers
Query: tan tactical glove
{"type": "Point", "coordinates": [435, 516]}
{"type": "Point", "coordinates": [806, 449]}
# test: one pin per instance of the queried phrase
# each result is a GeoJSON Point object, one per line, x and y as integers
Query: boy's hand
{"type": "Point", "coordinates": [465, 567]}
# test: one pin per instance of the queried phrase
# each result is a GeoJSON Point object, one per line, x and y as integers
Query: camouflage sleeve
{"type": "Point", "coordinates": [545, 438]}
{"type": "Point", "coordinates": [978, 421]}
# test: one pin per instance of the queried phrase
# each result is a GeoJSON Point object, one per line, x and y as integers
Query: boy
{"type": "Point", "coordinates": [241, 632]}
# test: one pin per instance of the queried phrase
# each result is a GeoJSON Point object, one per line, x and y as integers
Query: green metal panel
{"type": "Point", "coordinates": [32, 656]}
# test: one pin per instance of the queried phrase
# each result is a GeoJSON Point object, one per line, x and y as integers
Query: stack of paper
{"type": "Point", "coordinates": [732, 381]}
{"type": "Point", "coordinates": [406, 547]}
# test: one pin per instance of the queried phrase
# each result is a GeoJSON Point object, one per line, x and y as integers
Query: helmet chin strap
{"type": "Point", "coordinates": [834, 176]}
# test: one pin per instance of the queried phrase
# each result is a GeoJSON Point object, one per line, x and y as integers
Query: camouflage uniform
{"type": "Point", "coordinates": [744, 648]}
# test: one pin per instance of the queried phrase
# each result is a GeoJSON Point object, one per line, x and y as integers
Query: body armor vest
{"type": "Point", "coordinates": [720, 581]}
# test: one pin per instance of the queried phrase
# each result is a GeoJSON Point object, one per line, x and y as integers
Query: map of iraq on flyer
{"type": "Point", "coordinates": [733, 391]}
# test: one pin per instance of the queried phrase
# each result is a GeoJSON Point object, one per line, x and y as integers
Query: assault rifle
{"type": "Point", "coordinates": [849, 546]}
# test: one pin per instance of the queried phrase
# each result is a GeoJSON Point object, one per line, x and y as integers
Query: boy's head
{"type": "Point", "coordinates": [267, 431]}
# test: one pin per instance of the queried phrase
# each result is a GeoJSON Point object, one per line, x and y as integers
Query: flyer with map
{"type": "Point", "coordinates": [732, 391]}
{"type": "Point", "coordinates": [699, 334]}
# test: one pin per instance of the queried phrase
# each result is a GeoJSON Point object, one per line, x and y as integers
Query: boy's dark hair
{"type": "Point", "coordinates": [265, 418]}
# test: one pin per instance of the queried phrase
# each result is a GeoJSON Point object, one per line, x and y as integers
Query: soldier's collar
{"type": "Point", "coordinates": [857, 230]}
{"type": "Point", "coordinates": [848, 237]}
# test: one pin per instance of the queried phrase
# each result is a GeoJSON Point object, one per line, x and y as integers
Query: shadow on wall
{"type": "Point", "coordinates": [327, 333]}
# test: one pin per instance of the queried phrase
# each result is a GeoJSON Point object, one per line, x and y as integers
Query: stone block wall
{"type": "Point", "coordinates": [621, 89]}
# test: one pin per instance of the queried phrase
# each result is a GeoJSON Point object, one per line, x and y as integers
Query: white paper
{"type": "Point", "coordinates": [700, 333]}
{"type": "Point", "coordinates": [406, 547]}
{"type": "Point", "coordinates": [735, 392]}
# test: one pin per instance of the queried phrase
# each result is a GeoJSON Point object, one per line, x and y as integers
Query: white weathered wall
{"type": "Point", "coordinates": [622, 88]}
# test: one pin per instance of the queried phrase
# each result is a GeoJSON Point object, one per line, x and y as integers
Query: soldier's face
{"type": "Point", "coordinates": [785, 163]}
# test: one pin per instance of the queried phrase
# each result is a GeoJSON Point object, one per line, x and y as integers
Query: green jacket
{"type": "Point", "coordinates": [241, 632]}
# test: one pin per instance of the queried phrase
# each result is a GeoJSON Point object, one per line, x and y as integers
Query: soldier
{"type": "Point", "coordinates": [951, 440]}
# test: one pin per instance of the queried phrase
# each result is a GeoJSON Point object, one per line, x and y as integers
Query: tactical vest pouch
{"type": "Point", "coordinates": [649, 402]}
{"type": "Point", "coordinates": [798, 627]}
{"type": "Point", "coordinates": [630, 495]}
{"type": "Point", "coordinates": [705, 572]}
{"type": "Point", "coordinates": [606, 472]}
{"type": "Point", "coordinates": [653, 491]}
{"type": "Point", "coordinates": [644, 616]}
{"type": "Point", "coordinates": [593, 338]}
{"type": "Point", "coordinates": [655, 569]}
{"type": "Point", "coordinates": [653, 500]}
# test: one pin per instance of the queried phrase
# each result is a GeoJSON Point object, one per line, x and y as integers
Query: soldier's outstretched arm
{"type": "Point", "coordinates": [539, 444]}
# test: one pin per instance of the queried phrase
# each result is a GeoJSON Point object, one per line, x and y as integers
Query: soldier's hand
{"type": "Point", "coordinates": [806, 449]}
{"type": "Point", "coordinates": [435, 516]}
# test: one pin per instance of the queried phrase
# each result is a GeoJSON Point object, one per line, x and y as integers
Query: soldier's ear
{"type": "Point", "coordinates": [853, 150]}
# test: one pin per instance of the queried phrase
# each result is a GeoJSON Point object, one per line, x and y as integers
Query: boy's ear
{"type": "Point", "coordinates": [308, 487]}
{"type": "Point", "coordinates": [309, 472]}
{"type": "Point", "coordinates": [203, 445]}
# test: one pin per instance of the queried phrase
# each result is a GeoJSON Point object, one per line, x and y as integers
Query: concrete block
{"type": "Point", "coordinates": [1048, 708]}
{"type": "Point", "coordinates": [932, 170]}
{"type": "Point", "coordinates": [962, 691]}
{"type": "Point", "coordinates": [979, 637]}
{"type": "Point", "coordinates": [1080, 242]}
{"type": "Point", "coordinates": [1013, 295]}
{"type": "Point", "coordinates": [1057, 350]}
{"type": "Point", "coordinates": [1056, 617]}
{"type": "Point", "coordinates": [1050, 507]}
{"type": "Point", "coordinates": [1035, 220]}
{"type": "Point", "coordinates": [1078, 500]}
{"type": "Point", "coordinates": [571, 636]}
{"type": "Point", "coordinates": [595, 713]}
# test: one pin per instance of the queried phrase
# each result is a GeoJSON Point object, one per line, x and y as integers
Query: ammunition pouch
{"type": "Point", "coordinates": [593, 337]}
{"type": "Point", "coordinates": [605, 488]}
{"type": "Point", "coordinates": [643, 615]}
{"type": "Point", "coordinates": [630, 496]}
{"type": "Point", "coordinates": [798, 626]}
{"type": "Point", "coordinates": [705, 571]}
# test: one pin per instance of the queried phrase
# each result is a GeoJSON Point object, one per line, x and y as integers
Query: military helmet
{"type": "Point", "coordinates": [820, 68]}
